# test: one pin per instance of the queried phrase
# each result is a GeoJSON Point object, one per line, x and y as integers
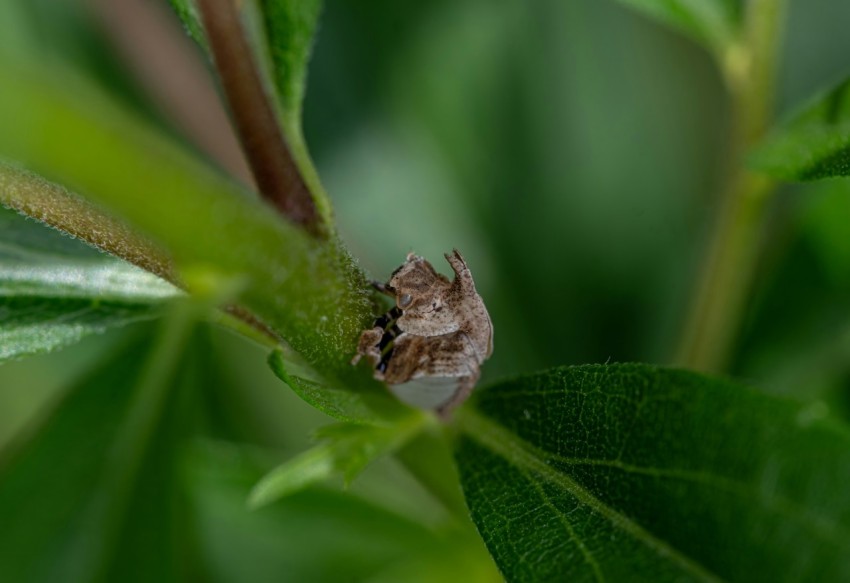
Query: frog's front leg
{"type": "Point", "coordinates": [368, 346]}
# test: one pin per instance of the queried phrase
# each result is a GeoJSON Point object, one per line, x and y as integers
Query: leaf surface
{"type": "Point", "coordinates": [368, 405]}
{"type": "Point", "coordinates": [714, 23]}
{"type": "Point", "coordinates": [318, 534]}
{"type": "Point", "coordinates": [92, 495]}
{"type": "Point", "coordinates": [345, 449]}
{"type": "Point", "coordinates": [290, 29]}
{"type": "Point", "coordinates": [55, 291]}
{"type": "Point", "coordinates": [632, 472]}
{"type": "Point", "coordinates": [812, 144]}
{"type": "Point", "coordinates": [187, 12]}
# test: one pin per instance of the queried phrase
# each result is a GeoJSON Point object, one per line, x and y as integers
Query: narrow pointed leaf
{"type": "Point", "coordinates": [365, 406]}
{"type": "Point", "coordinates": [290, 28]}
{"type": "Point", "coordinates": [812, 144]}
{"type": "Point", "coordinates": [58, 208]}
{"type": "Point", "coordinates": [38, 325]}
{"type": "Point", "coordinates": [631, 472]}
{"type": "Point", "coordinates": [92, 495]}
{"type": "Point", "coordinates": [318, 535]}
{"type": "Point", "coordinates": [55, 291]}
{"type": "Point", "coordinates": [187, 12]}
{"type": "Point", "coordinates": [313, 466]}
{"type": "Point", "coordinates": [714, 23]}
{"type": "Point", "coordinates": [346, 449]}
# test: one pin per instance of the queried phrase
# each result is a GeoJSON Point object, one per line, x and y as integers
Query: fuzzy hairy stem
{"type": "Point", "coordinates": [52, 205]}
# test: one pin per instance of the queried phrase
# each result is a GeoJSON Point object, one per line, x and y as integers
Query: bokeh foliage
{"type": "Point", "coordinates": [571, 149]}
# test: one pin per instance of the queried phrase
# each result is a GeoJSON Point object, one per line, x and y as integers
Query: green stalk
{"type": "Point", "coordinates": [727, 272]}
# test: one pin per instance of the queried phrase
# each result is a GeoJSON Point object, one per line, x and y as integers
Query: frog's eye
{"type": "Point", "coordinates": [404, 300]}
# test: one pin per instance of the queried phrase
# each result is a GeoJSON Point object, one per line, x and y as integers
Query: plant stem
{"type": "Point", "coordinates": [52, 205]}
{"type": "Point", "coordinates": [727, 271]}
{"type": "Point", "coordinates": [428, 457]}
{"type": "Point", "coordinates": [274, 168]}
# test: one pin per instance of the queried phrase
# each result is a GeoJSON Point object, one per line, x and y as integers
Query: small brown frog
{"type": "Point", "coordinates": [429, 348]}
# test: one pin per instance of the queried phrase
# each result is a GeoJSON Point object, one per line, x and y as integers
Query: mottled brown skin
{"type": "Point", "coordinates": [440, 328]}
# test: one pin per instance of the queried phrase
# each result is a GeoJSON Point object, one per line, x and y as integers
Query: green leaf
{"type": "Point", "coordinates": [632, 472]}
{"type": "Point", "coordinates": [812, 144]}
{"type": "Point", "coordinates": [318, 535]}
{"type": "Point", "coordinates": [346, 449]}
{"type": "Point", "coordinates": [187, 12]}
{"type": "Point", "coordinates": [308, 291]}
{"type": "Point", "coordinates": [290, 28]}
{"type": "Point", "coordinates": [34, 325]}
{"type": "Point", "coordinates": [714, 23]}
{"type": "Point", "coordinates": [42, 262]}
{"type": "Point", "coordinates": [93, 495]}
{"type": "Point", "coordinates": [337, 403]}
{"type": "Point", "coordinates": [55, 291]}
{"type": "Point", "coordinates": [824, 219]}
{"type": "Point", "coordinates": [365, 406]}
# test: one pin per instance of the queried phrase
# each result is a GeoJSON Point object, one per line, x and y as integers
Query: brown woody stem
{"type": "Point", "coordinates": [274, 168]}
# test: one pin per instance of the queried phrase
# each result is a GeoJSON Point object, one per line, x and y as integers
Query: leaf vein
{"type": "Point", "coordinates": [525, 456]}
{"type": "Point", "coordinates": [827, 530]}
{"type": "Point", "coordinates": [571, 533]}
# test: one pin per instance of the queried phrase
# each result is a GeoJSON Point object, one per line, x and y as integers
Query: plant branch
{"type": "Point", "coordinates": [52, 205]}
{"type": "Point", "coordinates": [274, 168]}
{"type": "Point", "coordinates": [723, 285]}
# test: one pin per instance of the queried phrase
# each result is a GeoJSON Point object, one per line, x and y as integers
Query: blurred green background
{"type": "Point", "coordinates": [571, 149]}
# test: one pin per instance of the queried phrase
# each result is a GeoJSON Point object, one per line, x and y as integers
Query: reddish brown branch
{"type": "Point", "coordinates": [271, 161]}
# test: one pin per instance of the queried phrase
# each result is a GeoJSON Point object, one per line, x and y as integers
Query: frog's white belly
{"type": "Point", "coordinates": [427, 392]}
